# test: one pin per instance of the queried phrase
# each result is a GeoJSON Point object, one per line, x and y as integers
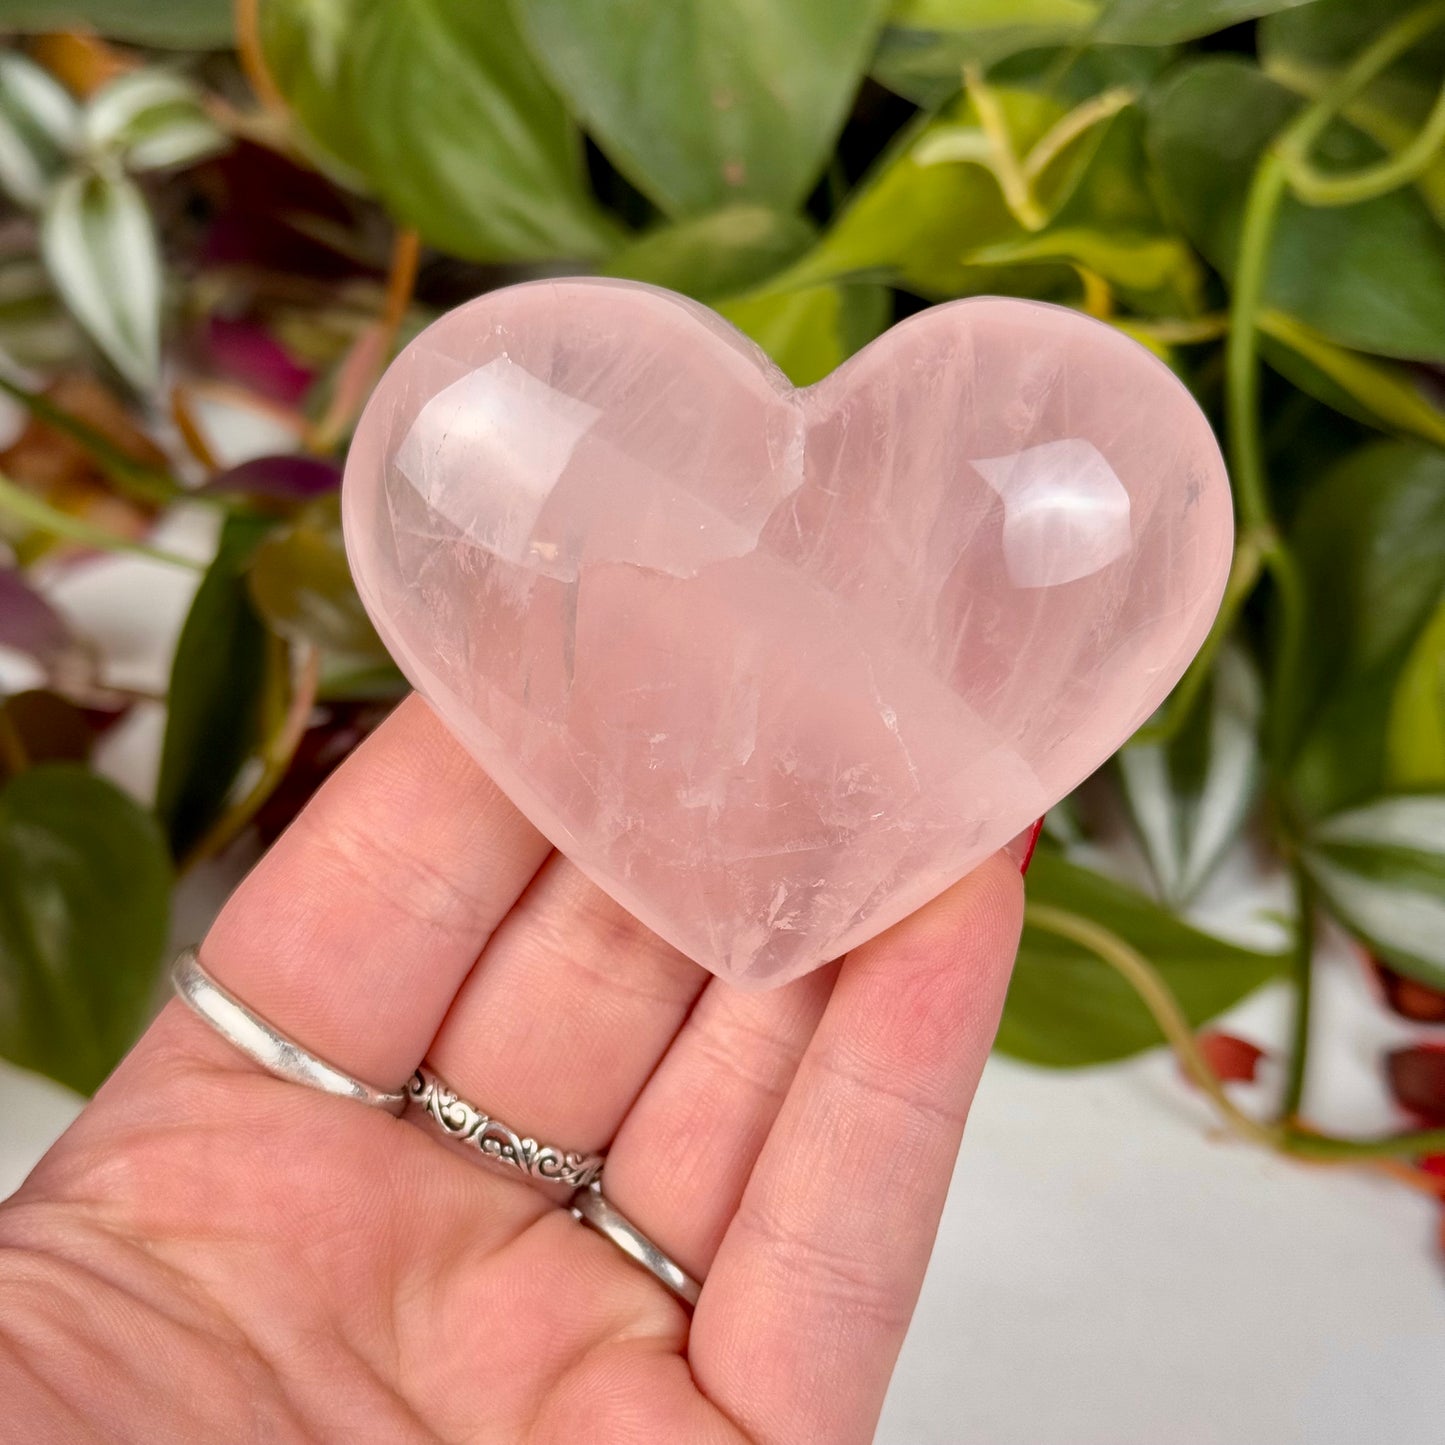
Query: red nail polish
{"type": "Point", "coordinates": [1029, 841]}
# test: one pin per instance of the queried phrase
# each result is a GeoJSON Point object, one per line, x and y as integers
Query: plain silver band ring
{"type": "Point", "coordinates": [592, 1207]}
{"type": "Point", "coordinates": [491, 1138]}
{"type": "Point", "coordinates": [265, 1044]}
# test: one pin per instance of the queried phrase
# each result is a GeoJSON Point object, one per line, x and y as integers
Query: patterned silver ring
{"type": "Point", "coordinates": [495, 1140]}
{"type": "Point", "coordinates": [264, 1044]}
{"type": "Point", "coordinates": [593, 1207]}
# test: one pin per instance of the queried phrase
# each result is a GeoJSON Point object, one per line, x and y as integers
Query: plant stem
{"type": "Point", "coordinates": [253, 58]}
{"type": "Point", "coordinates": [1157, 997]}
{"type": "Point", "coordinates": [401, 279]}
{"type": "Point", "coordinates": [1246, 450]}
{"type": "Point", "coordinates": [368, 356]}
{"type": "Point", "coordinates": [1070, 127]}
{"type": "Point", "coordinates": [1245, 441]}
{"type": "Point", "coordinates": [1309, 1145]}
{"type": "Point", "coordinates": [1302, 963]}
{"type": "Point", "coordinates": [1097, 299]}
{"type": "Point", "coordinates": [1017, 191]}
{"type": "Point", "coordinates": [188, 425]}
{"type": "Point", "coordinates": [134, 479]}
{"type": "Point", "coordinates": [1402, 1173]}
{"type": "Point", "coordinates": [1294, 146]}
{"type": "Point", "coordinates": [1409, 163]}
{"type": "Point", "coordinates": [1292, 1139]}
{"type": "Point", "coordinates": [30, 509]}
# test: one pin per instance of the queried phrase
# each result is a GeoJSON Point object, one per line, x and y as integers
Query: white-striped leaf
{"type": "Point", "coordinates": [151, 119]}
{"type": "Point", "coordinates": [1381, 870]}
{"type": "Point", "coordinates": [39, 129]}
{"type": "Point", "coordinates": [1189, 798]}
{"type": "Point", "coordinates": [100, 246]}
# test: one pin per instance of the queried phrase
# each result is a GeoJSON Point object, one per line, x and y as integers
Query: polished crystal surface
{"type": "Point", "coordinates": [776, 666]}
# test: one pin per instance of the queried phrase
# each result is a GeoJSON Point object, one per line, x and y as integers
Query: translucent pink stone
{"type": "Point", "coordinates": [772, 666]}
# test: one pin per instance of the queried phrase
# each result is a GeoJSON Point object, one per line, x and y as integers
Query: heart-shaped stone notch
{"type": "Point", "coordinates": [776, 666]}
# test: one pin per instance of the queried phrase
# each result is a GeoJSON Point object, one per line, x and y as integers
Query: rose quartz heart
{"type": "Point", "coordinates": [776, 666]}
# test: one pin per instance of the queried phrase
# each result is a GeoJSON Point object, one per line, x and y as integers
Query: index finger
{"type": "Point", "coordinates": [356, 929]}
{"type": "Point", "coordinates": [811, 1292]}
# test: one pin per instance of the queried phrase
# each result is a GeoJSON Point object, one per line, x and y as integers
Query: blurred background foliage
{"type": "Point", "coordinates": [256, 205]}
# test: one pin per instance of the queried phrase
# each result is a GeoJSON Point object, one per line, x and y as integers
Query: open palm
{"type": "Point", "coordinates": [212, 1254]}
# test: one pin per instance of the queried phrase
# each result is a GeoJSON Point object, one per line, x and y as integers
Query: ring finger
{"type": "Point", "coordinates": [566, 1013]}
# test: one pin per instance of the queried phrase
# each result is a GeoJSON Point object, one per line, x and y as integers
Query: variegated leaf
{"type": "Point", "coordinates": [151, 119]}
{"type": "Point", "coordinates": [39, 129]}
{"type": "Point", "coordinates": [100, 246]}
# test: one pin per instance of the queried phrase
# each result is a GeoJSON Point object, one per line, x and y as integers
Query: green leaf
{"type": "Point", "coordinates": [812, 331]}
{"type": "Point", "coordinates": [1072, 74]}
{"type": "Point", "coordinates": [1385, 394]}
{"type": "Point", "coordinates": [84, 913]}
{"type": "Point", "coordinates": [913, 220]}
{"type": "Point", "coordinates": [1189, 798]}
{"type": "Point", "coordinates": [151, 119]}
{"type": "Point", "coordinates": [343, 683]}
{"type": "Point", "coordinates": [704, 102]}
{"type": "Point", "coordinates": [1370, 277]}
{"type": "Point", "coordinates": [933, 216]}
{"type": "Point", "coordinates": [1067, 1008]}
{"type": "Point", "coordinates": [984, 18]}
{"type": "Point", "coordinates": [43, 522]}
{"type": "Point", "coordinates": [218, 679]}
{"type": "Point", "coordinates": [442, 111]}
{"type": "Point", "coordinates": [928, 42]}
{"type": "Point", "coordinates": [1381, 869]}
{"type": "Point", "coordinates": [300, 583]}
{"type": "Point", "coordinates": [100, 247]}
{"type": "Point", "coordinates": [1163, 22]}
{"type": "Point", "coordinates": [1305, 49]}
{"type": "Point", "coordinates": [715, 255]}
{"type": "Point", "coordinates": [1108, 224]}
{"type": "Point", "coordinates": [177, 24]}
{"type": "Point", "coordinates": [1328, 34]}
{"type": "Point", "coordinates": [1370, 541]}
{"type": "Point", "coordinates": [39, 128]}
{"type": "Point", "coordinates": [1415, 732]}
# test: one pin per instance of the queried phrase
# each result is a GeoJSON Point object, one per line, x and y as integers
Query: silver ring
{"type": "Point", "coordinates": [592, 1207]}
{"type": "Point", "coordinates": [265, 1044]}
{"type": "Point", "coordinates": [490, 1137]}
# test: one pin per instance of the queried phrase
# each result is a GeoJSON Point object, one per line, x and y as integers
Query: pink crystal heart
{"type": "Point", "coordinates": [776, 666]}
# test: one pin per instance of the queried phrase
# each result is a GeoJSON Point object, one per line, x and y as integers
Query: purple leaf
{"type": "Point", "coordinates": [248, 353]}
{"type": "Point", "coordinates": [1416, 1077]}
{"type": "Point", "coordinates": [28, 623]}
{"type": "Point", "coordinates": [279, 478]}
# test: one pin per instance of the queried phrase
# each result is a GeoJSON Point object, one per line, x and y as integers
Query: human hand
{"type": "Point", "coordinates": [214, 1254]}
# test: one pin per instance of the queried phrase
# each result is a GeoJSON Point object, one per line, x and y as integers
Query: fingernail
{"type": "Point", "coordinates": [1021, 850]}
